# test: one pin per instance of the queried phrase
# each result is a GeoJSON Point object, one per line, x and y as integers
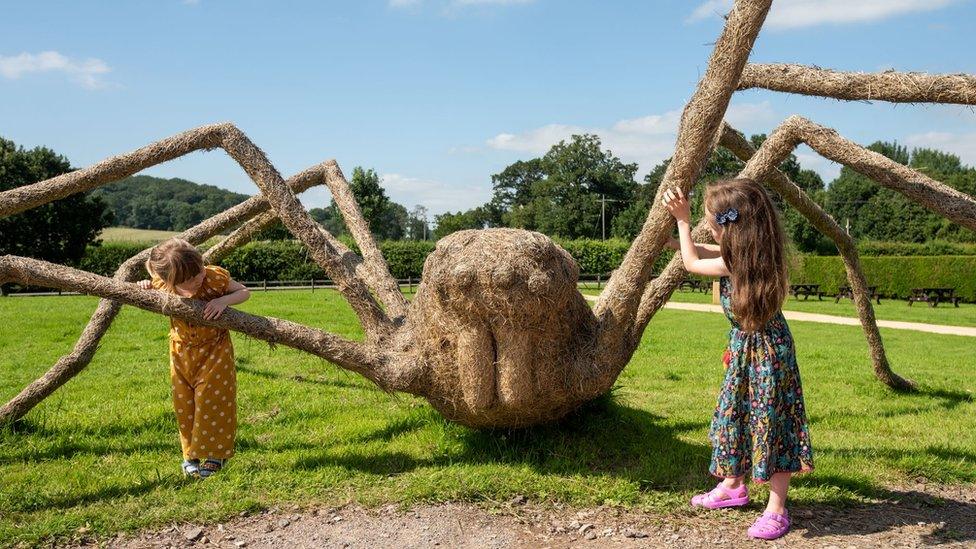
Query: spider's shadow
{"type": "Point", "coordinates": [602, 438]}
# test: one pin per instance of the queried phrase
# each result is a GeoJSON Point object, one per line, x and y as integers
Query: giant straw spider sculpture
{"type": "Point", "coordinates": [498, 334]}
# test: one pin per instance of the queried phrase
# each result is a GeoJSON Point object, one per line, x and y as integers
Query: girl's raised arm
{"type": "Point", "coordinates": [712, 263]}
{"type": "Point", "coordinates": [705, 251]}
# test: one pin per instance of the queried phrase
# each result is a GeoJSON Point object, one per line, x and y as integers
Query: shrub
{"type": "Point", "coordinates": [105, 259]}
{"type": "Point", "coordinates": [603, 256]}
{"type": "Point", "coordinates": [406, 257]}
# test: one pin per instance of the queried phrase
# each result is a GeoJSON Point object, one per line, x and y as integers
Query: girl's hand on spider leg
{"type": "Point", "coordinates": [214, 308]}
{"type": "Point", "coordinates": [676, 203]}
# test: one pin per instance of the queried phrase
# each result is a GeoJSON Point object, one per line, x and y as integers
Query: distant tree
{"type": "Point", "coordinates": [59, 231]}
{"type": "Point", "coordinates": [277, 231]}
{"type": "Point", "coordinates": [947, 168]}
{"type": "Point", "coordinates": [372, 200]}
{"type": "Point", "coordinates": [330, 218]}
{"type": "Point", "coordinates": [559, 194]}
{"type": "Point", "coordinates": [447, 223]}
{"type": "Point", "coordinates": [721, 164]}
{"type": "Point", "coordinates": [147, 202]}
{"type": "Point", "coordinates": [513, 185]}
{"type": "Point", "coordinates": [394, 222]}
{"type": "Point", "coordinates": [418, 227]}
{"type": "Point", "coordinates": [876, 213]}
{"type": "Point", "coordinates": [387, 220]}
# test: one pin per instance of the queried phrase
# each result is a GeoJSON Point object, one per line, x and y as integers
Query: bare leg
{"type": "Point", "coordinates": [778, 486]}
{"type": "Point", "coordinates": [734, 483]}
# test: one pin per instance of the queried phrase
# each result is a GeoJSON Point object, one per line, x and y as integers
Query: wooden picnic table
{"type": "Point", "coordinates": [806, 290]}
{"type": "Point", "coordinates": [846, 291]}
{"type": "Point", "coordinates": [934, 296]}
{"type": "Point", "coordinates": [694, 285]}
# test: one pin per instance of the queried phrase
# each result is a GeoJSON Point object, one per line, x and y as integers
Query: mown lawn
{"type": "Point", "coordinates": [128, 235]}
{"type": "Point", "coordinates": [889, 309]}
{"type": "Point", "coordinates": [103, 451]}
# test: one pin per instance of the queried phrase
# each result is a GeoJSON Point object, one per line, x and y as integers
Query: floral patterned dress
{"type": "Point", "coordinates": [760, 423]}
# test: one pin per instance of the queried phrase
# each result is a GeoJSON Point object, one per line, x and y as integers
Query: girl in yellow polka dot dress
{"type": "Point", "coordinates": [201, 358]}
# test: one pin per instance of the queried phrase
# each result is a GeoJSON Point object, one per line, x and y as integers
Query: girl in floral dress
{"type": "Point", "coordinates": [759, 425]}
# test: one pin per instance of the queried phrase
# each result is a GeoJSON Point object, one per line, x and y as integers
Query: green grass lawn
{"type": "Point", "coordinates": [890, 309]}
{"type": "Point", "coordinates": [149, 237]}
{"type": "Point", "coordinates": [128, 234]}
{"type": "Point", "coordinates": [104, 452]}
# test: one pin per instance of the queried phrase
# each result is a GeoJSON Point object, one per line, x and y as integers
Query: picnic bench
{"type": "Point", "coordinates": [934, 296]}
{"type": "Point", "coordinates": [846, 291]}
{"type": "Point", "coordinates": [694, 285]}
{"type": "Point", "coordinates": [806, 290]}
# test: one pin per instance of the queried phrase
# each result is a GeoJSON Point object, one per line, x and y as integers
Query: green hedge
{"type": "Point", "coordinates": [288, 260]}
{"type": "Point", "coordinates": [895, 276]}
{"type": "Point", "coordinates": [105, 259]}
{"type": "Point", "coordinates": [935, 247]}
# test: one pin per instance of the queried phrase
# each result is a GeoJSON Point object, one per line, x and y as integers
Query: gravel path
{"type": "Point", "coordinates": [910, 517]}
{"type": "Point", "coordinates": [830, 319]}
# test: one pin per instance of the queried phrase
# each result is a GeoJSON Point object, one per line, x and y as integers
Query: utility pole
{"type": "Point", "coordinates": [603, 215]}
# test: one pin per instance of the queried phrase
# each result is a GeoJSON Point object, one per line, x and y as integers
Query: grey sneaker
{"type": "Point", "coordinates": [191, 468]}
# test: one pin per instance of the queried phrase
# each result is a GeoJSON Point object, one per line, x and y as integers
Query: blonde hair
{"type": "Point", "coordinates": [174, 261]}
{"type": "Point", "coordinates": [753, 247]}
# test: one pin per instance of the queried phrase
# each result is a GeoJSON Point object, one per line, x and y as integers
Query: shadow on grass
{"type": "Point", "coordinates": [603, 438]}
{"type": "Point", "coordinates": [954, 518]}
{"type": "Point", "coordinates": [317, 380]}
{"type": "Point", "coordinates": [948, 398]}
{"type": "Point", "coordinates": [65, 450]}
{"type": "Point", "coordinates": [62, 443]}
{"type": "Point", "coordinates": [101, 494]}
{"type": "Point", "coordinates": [607, 438]}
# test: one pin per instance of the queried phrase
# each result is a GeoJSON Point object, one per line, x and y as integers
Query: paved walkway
{"type": "Point", "coordinates": [831, 319]}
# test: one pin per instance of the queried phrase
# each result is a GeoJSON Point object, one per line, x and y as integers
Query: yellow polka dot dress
{"type": "Point", "coordinates": [204, 378]}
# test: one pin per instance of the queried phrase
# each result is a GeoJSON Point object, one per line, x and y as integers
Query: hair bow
{"type": "Point", "coordinates": [727, 216]}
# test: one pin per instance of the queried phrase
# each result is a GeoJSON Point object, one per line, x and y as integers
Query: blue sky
{"type": "Point", "coordinates": [437, 95]}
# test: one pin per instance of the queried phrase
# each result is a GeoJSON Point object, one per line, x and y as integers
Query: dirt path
{"type": "Point", "coordinates": [918, 516]}
{"type": "Point", "coordinates": [831, 319]}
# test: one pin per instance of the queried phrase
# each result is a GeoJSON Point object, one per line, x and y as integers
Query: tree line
{"type": "Point", "coordinates": [576, 190]}
{"type": "Point", "coordinates": [579, 190]}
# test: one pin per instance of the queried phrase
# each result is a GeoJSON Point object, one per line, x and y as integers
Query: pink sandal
{"type": "Point", "coordinates": [770, 526]}
{"type": "Point", "coordinates": [721, 497]}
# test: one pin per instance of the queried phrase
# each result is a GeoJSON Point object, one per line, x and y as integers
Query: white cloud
{"type": "Point", "coordinates": [87, 72]}
{"type": "Point", "coordinates": [457, 3]}
{"type": "Point", "coordinates": [791, 14]}
{"type": "Point", "coordinates": [811, 160]}
{"type": "Point", "coordinates": [437, 196]}
{"type": "Point", "coordinates": [962, 145]}
{"type": "Point", "coordinates": [490, 2]}
{"type": "Point", "coordinates": [708, 9]}
{"type": "Point", "coordinates": [757, 117]}
{"type": "Point", "coordinates": [646, 140]}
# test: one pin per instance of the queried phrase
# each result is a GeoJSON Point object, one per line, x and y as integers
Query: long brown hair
{"type": "Point", "coordinates": [753, 247]}
{"type": "Point", "coordinates": [174, 261]}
